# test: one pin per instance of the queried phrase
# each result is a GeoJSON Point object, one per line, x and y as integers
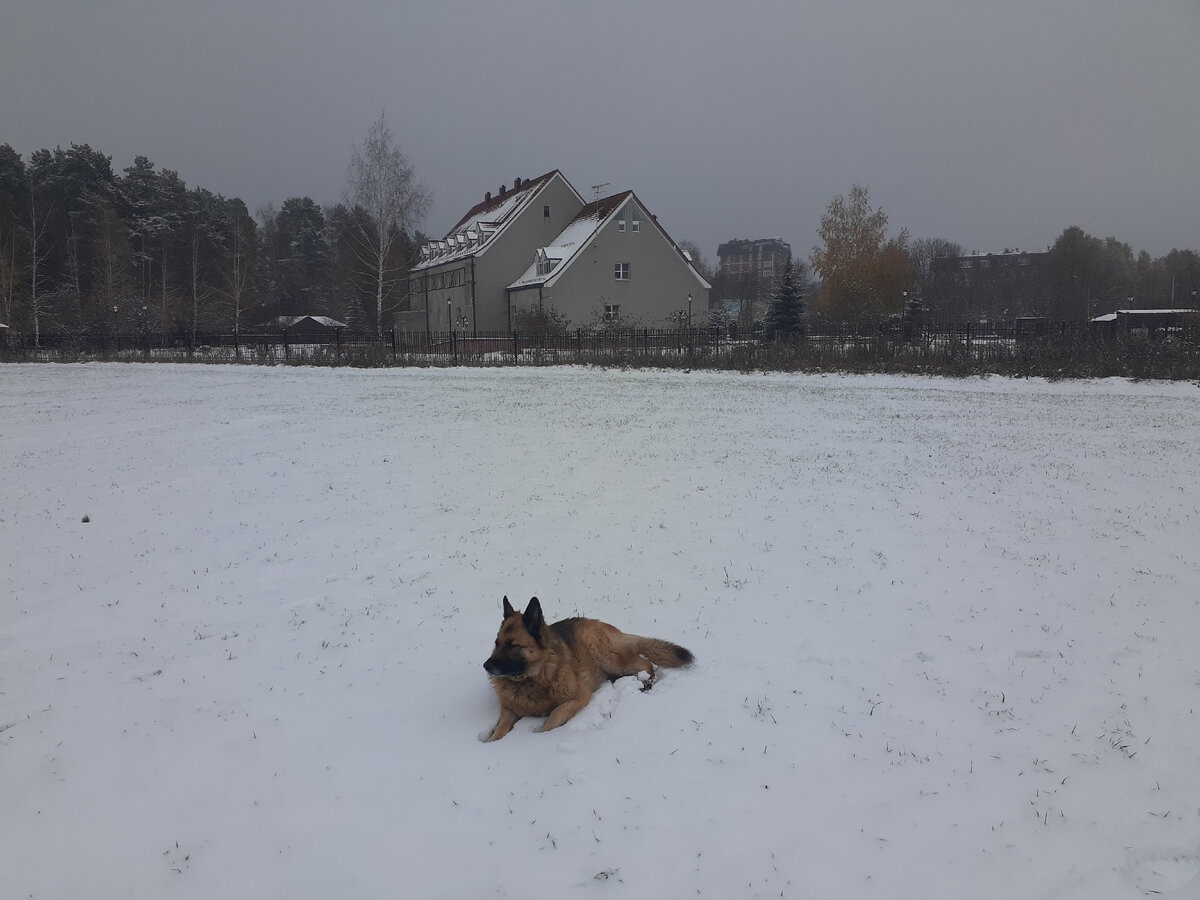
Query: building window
{"type": "Point", "coordinates": [621, 271]}
{"type": "Point", "coordinates": [620, 224]}
{"type": "Point", "coordinates": [612, 312]}
{"type": "Point", "coordinates": [637, 226]}
{"type": "Point", "coordinates": [546, 212]}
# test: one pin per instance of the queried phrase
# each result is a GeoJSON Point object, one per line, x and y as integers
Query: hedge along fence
{"type": "Point", "coordinates": [1054, 350]}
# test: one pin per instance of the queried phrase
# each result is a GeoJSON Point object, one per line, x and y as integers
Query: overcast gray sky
{"type": "Point", "coordinates": [990, 124]}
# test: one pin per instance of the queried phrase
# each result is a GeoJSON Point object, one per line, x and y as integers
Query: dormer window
{"type": "Point", "coordinates": [545, 263]}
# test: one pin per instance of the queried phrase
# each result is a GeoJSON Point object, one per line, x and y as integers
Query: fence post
{"type": "Point", "coordinates": [393, 345]}
{"type": "Point", "coordinates": [516, 354]}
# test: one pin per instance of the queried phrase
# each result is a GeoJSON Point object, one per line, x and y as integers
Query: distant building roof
{"type": "Point", "coordinates": [761, 245]}
{"type": "Point", "coordinates": [979, 260]}
{"type": "Point", "coordinates": [293, 321]}
{"type": "Point", "coordinates": [1147, 317]}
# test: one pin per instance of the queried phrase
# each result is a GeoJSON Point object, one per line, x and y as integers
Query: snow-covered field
{"type": "Point", "coordinates": [947, 634]}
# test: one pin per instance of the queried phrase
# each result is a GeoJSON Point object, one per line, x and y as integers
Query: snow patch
{"type": "Point", "coordinates": [947, 633]}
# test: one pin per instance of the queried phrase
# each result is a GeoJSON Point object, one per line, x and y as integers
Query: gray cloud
{"type": "Point", "coordinates": [993, 125]}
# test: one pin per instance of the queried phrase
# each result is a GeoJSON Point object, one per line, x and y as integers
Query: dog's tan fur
{"type": "Point", "coordinates": [552, 670]}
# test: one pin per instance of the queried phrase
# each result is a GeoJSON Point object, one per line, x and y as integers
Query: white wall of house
{"type": "Point", "coordinates": [628, 271]}
{"type": "Point", "coordinates": [475, 285]}
{"type": "Point", "coordinates": [659, 280]}
{"type": "Point", "coordinates": [509, 254]}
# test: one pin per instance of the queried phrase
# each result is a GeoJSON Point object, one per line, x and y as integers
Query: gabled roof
{"type": "Point", "coordinates": [579, 233]}
{"type": "Point", "coordinates": [478, 229]}
{"type": "Point", "coordinates": [293, 321]}
{"type": "Point", "coordinates": [571, 240]}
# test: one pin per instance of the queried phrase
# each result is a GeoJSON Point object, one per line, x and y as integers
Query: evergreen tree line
{"type": "Point", "coordinates": [83, 248]}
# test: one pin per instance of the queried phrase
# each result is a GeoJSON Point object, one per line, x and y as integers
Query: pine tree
{"type": "Point", "coordinates": [785, 315]}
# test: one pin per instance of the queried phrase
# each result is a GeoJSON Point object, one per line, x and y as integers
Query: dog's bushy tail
{"type": "Point", "coordinates": [664, 653]}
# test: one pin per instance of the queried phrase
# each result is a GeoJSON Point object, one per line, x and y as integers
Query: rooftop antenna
{"type": "Point", "coordinates": [597, 188]}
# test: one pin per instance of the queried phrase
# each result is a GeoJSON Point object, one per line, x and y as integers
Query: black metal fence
{"type": "Point", "coordinates": [1026, 347]}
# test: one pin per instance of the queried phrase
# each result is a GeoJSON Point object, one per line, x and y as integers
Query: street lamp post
{"type": "Point", "coordinates": [689, 324]}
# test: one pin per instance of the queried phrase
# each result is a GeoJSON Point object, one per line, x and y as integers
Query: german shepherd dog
{"type": "Point", "coordinates": [552, 670]}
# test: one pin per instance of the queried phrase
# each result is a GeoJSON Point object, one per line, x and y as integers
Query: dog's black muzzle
{"type": "Point", "coordinates": [504, 668]}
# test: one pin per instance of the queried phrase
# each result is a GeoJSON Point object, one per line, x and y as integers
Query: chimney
{"type": "Point", "coordinates": [487, 197]}
{"type": "Point", "coordinates": [516, 184]}
{"type": "Point", "coordinates": [502, 189]}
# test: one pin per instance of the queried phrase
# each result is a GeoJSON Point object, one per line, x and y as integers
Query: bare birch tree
{"type": "Point", "coordinates": [240, 257]}
{"type": "Point", "coordinates": [240, 239]}
{"type": "Point", "coordinates": [383, 184]}
{"type": "Point", "coordinates": [38, 254]}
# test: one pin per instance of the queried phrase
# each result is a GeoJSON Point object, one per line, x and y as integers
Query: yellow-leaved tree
{"type": "Point", "coordinates": [863, 274]}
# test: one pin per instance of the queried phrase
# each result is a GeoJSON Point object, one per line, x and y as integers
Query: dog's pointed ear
{"type": "Point", "coordinates": [533, 619]}
{"type": "Point", "coordinates": [508, 609]}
